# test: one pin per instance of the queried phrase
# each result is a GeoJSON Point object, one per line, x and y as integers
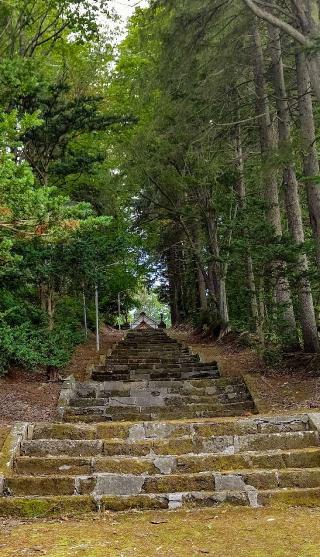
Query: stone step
{"type": "Point", "coordinates": [154, 376]}
{"type": "Point", "coordinates": [197, 386]}
{"type": "Point", "coordinates": [44, 507]}
{"type": "Point", "coordinates": [128, 413]}
{"type": "Point", "coordinates": [172, 429]}
{"type": "Point", "coordinates": [132, 484]}
{"type": "Point", "coordinates": [153, 363]}
{"type": "Point", "coordinates": [219, 445]}
{"type": "Point", "coordinates": [153, 464]}
{"type": "Point", "coordinates": [159, 368]}
{"type": "Point", "coordinates": [148, 399]}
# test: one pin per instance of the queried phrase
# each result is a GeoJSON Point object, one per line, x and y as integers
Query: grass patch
{"type": "Point", "coordinates": [217, 532]}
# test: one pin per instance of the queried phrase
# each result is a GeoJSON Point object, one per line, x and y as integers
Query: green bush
{"type": "Point", "coordinates": [36, 349]}
{"type": "Point", "coordinates": [272, 355]}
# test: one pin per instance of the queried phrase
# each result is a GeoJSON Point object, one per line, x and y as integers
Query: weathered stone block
{"type": "Point", "coordinates": [116, 484]}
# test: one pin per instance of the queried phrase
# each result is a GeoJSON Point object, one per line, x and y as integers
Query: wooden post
{"type": "Point", "coordinates": [97, 318]}
{"type": "Point", "coordinates": [85, 314]}
{"type": "Point", "coordinates": [119, 311]}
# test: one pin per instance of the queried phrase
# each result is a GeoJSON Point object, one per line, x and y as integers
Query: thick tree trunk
{"type": "Point", "coordinates": [241, 192]}
{"type": "Point", "coordinates": [267, 141]}
{"type": "Point", "coordinates": [217, 267]}
{"type": "Point", "coordinates": [292, 200]}
{"type": "Point", "coordinates": [310, 154]}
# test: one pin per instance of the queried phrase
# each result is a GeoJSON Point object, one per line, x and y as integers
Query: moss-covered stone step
{"type": "Point", "coordinates": [223, 444]}
{"type": "Point", "coordinates": [4, 432]}
{"type": "Point", "coordinates": [112, 388]}
{"type": "Point", "coordinates": [299, 458]}
{"type": "Point", "coordinates": [101, 413]}
{"type": "Point", "coordinates": [294, 497]}
{"type": "Point", "coordinates": [218, 445]}
{"type": "Point", "coordinates": [156, 399]}
{"type": "Point", "coordinates": [171, 429]}
{"type": "Point", "coordinates": [155, 375]}
{"type": "Point", "coordinates": [133, 484]}
{"type": "Point", "coordinates": [45, 507]}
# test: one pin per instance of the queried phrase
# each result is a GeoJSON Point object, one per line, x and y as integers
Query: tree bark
{"type": "Point", "coordinates": [292, 200]}
{"type": "Point", "coordinates": [310, 154]}
{"type": "Point", "coordinates": [307, 13]}
{"type": "Point", "coordinates": [202, 291]}
{"type": "Point", "coordinates": [173, 291]}
{"type": "Point", "coordinates": [268, 144]}
{"type": "Point", "coordinates": [241, 192]}
{"type": "Point", "coordinates": [217, 267]}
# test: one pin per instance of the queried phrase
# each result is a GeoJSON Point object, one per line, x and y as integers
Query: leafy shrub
{"type": "Point", "coordinates": [36, 348]}
{"type": "Point", "coordinates": [272, 355]}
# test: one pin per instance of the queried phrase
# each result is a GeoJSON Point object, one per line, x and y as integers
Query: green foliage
{"type": "Point", "coordinates": [36, 349]}
{"type": "Point", "coordinates": [62, 224]}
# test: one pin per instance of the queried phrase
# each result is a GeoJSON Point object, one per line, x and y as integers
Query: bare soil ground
{"type": "Point", "coordinates": [86, 354]}
{"type": "Point", "coordinates": [292, 386]}
{"type": "Point", "coordinates": [26, 396]}
{"type": "Point", "coordinates": [222, 532]}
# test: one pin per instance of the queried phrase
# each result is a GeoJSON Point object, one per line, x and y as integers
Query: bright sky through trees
{"type": "Point", "coordinates": [125, 8]}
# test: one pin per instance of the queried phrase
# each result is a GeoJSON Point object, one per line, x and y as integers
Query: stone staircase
{"type": "Point", "coordinates": [69, 468]}
{"type": "Point", "coordinates": [151, 431]}
{"type": "Point", "coordinates": [150, 376]}
{"type": "Point", "coordinates": [153, 355]}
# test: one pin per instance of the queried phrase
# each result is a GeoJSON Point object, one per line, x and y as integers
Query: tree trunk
{"type": "Point", "coordinates": [241, 192]}
{"type": "Point", "coordinates": [217, 267]}
{"type": "Point", "coordinates": [310, 154]}
{"type": "Point", "coordinates": [307, 14]}
{"type": "Point", "coordinates": [50, 308]}
{"type": "Point", "coordinates": [292, 200]}
{"type": "Point", "coordinates": [202, 291]}
{"type": "Point", "coordinates": [174, 282]}
{"type": "Point", "coordinates": [267, 141]}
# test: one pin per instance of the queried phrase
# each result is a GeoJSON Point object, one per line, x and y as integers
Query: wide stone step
{"type": "Point", "coordinates": [224, 444]}
{"type": "Point", "coordinates": [101, 413]}
{"type": "Point", "coordinates": [151, 465]}
{"type": "Point", "coordinates": [148, 399]}
{"type": "Point", "coordinates": [171, 429]}
{"type": "Point", "coordinates": [133, 484]}
{"type": "Point", "coordinates": [205, 387]}
{"type": "Point", "coordinates": [178, 363]}
{"type": "Point", "coordinates": [44, 507]}
{"type": "Point", "coordinates": [168, 385]}
{"type": "Point", "coordinates": [154, 375]}
{"type": "Point", "coordinates": [217, 445]}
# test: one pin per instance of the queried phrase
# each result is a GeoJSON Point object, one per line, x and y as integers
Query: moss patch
{"type": "Point", "coordinates": [4, 431]}
{"type": "Point", "coordinates": [217, 532]}
{"type": "Point", "coordinates": [46, 506]}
